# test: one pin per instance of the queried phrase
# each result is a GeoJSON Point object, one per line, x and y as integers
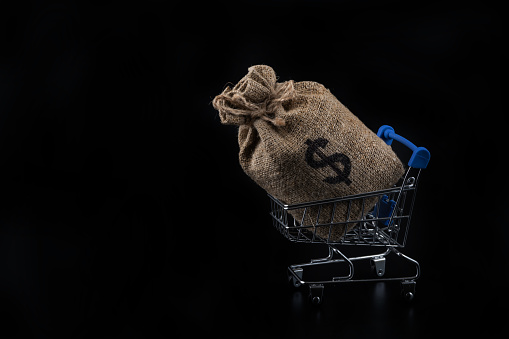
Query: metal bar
{"type": "Point", "coordinates": [348, 197]}
{"type": "Point", "coordinates": [377, 216]}
{"type": "Point", "coordinates": [383, 254]}
{"type": "Point", "coordinates": [349, 278]}
{"type": "Point", "coordinates": [416, 182]}
{"type": "Point", "coordinates": [399, 195]}
{"type": "Point", "coordinates": [331, 221]}
{"type": "Point", "coordinates": [327, 258]}
{"type": "Point", "coordinates": [417, 266]}
{"type": "Point", "coordinates": [303, 216]}
{"type": "Point", "coordinates": [401, 208]}
{"type": "Point", "coordinates": [347, 217]}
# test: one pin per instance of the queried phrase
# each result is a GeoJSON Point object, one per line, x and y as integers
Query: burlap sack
{"type": "Point", "coordinates": [299, 143]}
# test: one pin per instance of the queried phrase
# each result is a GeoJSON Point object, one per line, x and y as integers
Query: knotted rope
{"type": "Point", "coordinates": [233, 102]}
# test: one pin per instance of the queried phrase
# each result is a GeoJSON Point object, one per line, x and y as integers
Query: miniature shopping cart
{"type": "Point", "coordinates": [386, 226]}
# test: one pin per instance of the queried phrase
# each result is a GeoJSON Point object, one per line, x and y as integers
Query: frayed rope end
{"type": "Point", "coordinates": [278, 122]}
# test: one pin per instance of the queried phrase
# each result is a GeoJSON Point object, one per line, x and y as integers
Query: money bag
{"type": "Point", "coordinates": [300, 144]}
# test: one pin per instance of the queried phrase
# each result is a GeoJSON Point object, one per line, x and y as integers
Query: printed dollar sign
{"type": "Point", "coordinates": [331, 160]}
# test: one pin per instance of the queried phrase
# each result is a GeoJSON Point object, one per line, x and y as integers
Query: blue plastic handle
{"type": "Point", "coordinates": [420, 156]}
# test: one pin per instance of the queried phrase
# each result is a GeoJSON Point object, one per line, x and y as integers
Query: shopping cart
{"type": "Point", "coordinates": [386, 225]}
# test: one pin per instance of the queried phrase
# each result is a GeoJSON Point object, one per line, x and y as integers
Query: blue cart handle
{"type": "Point", "coordinates": [420, 156]}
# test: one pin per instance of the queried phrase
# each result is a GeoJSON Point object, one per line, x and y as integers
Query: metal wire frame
{"type": "Point", "coordinates": [369, 229]}
{"type": "Point", "coordinates": [295, 271]}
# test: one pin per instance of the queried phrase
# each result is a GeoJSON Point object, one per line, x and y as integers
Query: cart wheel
{"type": "Point", "coordinates": [409, 296]}
{"type": "Point", "coordinates": [316, 293]}
{"type": "Point", "coordinates": [408, 289]}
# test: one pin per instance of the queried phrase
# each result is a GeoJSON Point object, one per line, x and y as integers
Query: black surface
{"type": "Point", "coordinates": [124, 211]}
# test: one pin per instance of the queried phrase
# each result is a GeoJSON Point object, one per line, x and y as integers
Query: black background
{"type": "Point", "coordinates": [124, 211]}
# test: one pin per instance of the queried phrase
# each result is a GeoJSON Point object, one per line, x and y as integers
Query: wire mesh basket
{"type": "Point", "coordinates": [386, 224]}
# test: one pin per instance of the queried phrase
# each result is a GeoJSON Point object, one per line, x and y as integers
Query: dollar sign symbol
{"type": "Point", "coordinates": [331, 160]}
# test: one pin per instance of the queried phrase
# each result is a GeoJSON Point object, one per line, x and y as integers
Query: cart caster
{"type": "Point", "coordinates": [291, 278]}
{"type": "Point", "coordinates": [316, 293]}
{"type": "Point", "coordinates": [378, 265]}
{"type": "Point", "coordinates": [408, 289]}
{"type": "Point", "coordinates": [409, 296]}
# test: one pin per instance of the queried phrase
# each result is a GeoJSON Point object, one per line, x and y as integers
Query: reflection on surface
{"type": "Point", "coordinates": [350, 308]}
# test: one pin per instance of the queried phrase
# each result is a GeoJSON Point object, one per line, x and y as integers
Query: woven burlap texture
{"type": "Point", "coordinates": [299, 143]}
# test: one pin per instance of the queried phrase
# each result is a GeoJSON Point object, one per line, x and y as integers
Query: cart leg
{"type": "Point", "coordinates": [316, 293]}
{"type": "Point", "coordinates": [327, 258]}
{"type": "Point", "coordinates": [378, 265]}
{"type": "Point", "coordinates": [295, 276]}
{"type": "Point", "coordinates": [408, 289]}
{"type": "Point", "coordinates": [417, 266]}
